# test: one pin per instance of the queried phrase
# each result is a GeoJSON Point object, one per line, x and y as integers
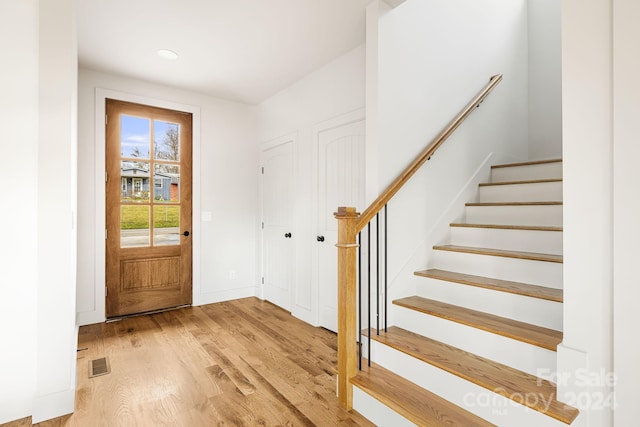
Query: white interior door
{"type": "Point", "coordinates": [277, 235]}
{"type": "Point", "coordinates": [341, 182]}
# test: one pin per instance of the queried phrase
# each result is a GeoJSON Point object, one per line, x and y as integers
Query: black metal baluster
{"type": "Point", "coordinates": [359, 302]}
{"type": "Point", "coordinates": [385, 268]}
{"type": "Point", "coordinates": [377, 274]}
{"type": "Point", "coordinates": [369, 292]}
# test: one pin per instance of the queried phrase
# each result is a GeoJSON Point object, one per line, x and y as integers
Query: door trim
{"type": "Point", "coordinates": [97, 315]}
{"type": "Point", "coordinates": [338, 121]}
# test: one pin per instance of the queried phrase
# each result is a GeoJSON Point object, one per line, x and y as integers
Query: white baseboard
{"type": "Point", "coordinates": [224, 295]}
{"type": "Point", "coordinates": [53, 405]}
{"type": "Point", "coordinates": [89, 317]}
{"type": "Point", "coordinates": [15, 412]}
{"type": "Point", "coordinates": [305, 315]}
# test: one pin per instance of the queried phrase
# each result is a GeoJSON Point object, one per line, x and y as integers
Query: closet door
{"type": "Point", "coordinates": [341, 182]}
{"type": "Point", "coordinates": [278, 240]}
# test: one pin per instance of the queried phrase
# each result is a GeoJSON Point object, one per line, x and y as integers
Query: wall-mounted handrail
{"type": "Point", "coordinates": [350, 224]}
{"type": "Point", "coordinates": [410, 170]}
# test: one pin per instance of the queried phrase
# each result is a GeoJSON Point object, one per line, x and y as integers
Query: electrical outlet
{"type": "Point", "coordinates": [232, 274]}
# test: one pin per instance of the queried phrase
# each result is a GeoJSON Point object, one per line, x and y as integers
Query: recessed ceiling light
{"type": "Point", "coordinates": [167, 54]}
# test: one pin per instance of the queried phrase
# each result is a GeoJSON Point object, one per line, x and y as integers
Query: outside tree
{"type": "Point", "coordinates": [170, 148]}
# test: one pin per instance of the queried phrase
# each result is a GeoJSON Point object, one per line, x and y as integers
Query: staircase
{"type": "Point", "coordinates": [476, 345]}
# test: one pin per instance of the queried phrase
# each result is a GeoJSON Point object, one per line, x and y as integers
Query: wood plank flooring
{"type": "Point", "coordinates": [238, 363]}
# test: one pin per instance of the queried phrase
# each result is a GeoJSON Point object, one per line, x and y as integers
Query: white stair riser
{"type": "Point", "coordinates": [546, 242]}
{"type": "Point", "coordinates": [376, 412]}
{"type": "Point", "coordinates": [519, 355]}
{"type": "Point", "coordinates": [539, 273]}
{"type": "Point", "coordinates": [539, 215]}
{"type": "Point", "coordinates": [528, 172]}
{"type": "Point", "coordinates": [493, 407]}
{"type": "Point", "coordinates": [547, 314]}
{"type": "Point", "coordinates": [533, 192]}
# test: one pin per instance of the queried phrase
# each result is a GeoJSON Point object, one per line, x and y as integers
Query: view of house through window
{"type": "Point", "coordinates": [150, 182]}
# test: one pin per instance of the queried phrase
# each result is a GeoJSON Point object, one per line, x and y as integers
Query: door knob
{"type": "Point", "coordinates": [186, 234]}
{"type": "Point", "coordinates": [287, 235]}
{"type": "Point", "coordinates": [320, 238]}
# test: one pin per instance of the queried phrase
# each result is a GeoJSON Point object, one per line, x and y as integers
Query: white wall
{"type": "Point", "coordinates": [37, 291]}
{"type": "Point", "coordinates": [626, 209]}
{"type": "Point", "coordinates": [545, 79]}
{"type": "Point", "coordinates": [57, 333]}
{"type": "Point", "coordinates": [600, 148]}
{"type": "Point", "coordinates": [224, 183]}
{"type": "Point", "coordinates": [434, 57]}
{"type": "Point", "coordinates": [330, 91]}
{"type": "Point", "coordinates": [19, 275]}
{"type": "Point", "coordinates": [375, 10]}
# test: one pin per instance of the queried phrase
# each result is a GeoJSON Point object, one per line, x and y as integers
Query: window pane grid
{"type": "Point", "coordinates": [150, 182]}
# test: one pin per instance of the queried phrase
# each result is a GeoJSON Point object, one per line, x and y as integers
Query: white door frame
{"type": "Point", "coordinates": [97, 315]}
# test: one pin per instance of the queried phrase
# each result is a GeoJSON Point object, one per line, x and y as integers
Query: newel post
{"type": "Point", "coordinates": [347, 297]}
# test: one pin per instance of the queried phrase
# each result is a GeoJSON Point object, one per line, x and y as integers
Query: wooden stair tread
{"type": "Point", "coordinates": [534, 256]}
{"type": "Point", "coordinates": [514, 204]}
{"type": "Point", "coordinates": [533, 162]}
{"type": "Point", "coordinates": [526, 389]}
{"type": "Point", "coordinates": [418, 405]}
{"type": "Point", "coordinates": [531, 334]}
{"type": "Point", "coordinates": [530, 181]}
{"type": "Point", "coordinates": [540, 292]}
{"type": "Point", "coordinates": [506, 227]}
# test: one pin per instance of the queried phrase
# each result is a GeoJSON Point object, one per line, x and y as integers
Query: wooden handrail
{"type": "Point", "coordinates": [350, 223]}
{"type": "Point", "coordinates": [393, 188]}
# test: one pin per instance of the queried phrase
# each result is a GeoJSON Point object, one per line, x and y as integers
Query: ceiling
{"type": "Point", "coordinates": [240, 50]}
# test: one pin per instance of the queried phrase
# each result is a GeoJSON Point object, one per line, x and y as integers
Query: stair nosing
{"type": "Point", "coordinates": [519, 331]}
{"type": "Point", "coordinates": [532, 256]}
{"type": "Point", "coordinates": [528, 181]}
{"type": "Point", "coordinates": [492, 372]}
{"type": "Point", "coordinates": [366, 381]}
{"type": "Point", "coordinates": [550, 203]}
{"type": "Point", "coordinates": [507, 226]}
{"type": "Point", "coordinates": [517, 288]}
{"type": "Point", "coordinates": [528, 163]}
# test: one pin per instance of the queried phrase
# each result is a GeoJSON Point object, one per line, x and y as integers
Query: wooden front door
{"type": "Point", "coordinates": [148, 208]}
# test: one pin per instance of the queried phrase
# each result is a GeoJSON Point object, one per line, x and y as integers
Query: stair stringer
{"type": "Point", "coordinates": [401, 281]}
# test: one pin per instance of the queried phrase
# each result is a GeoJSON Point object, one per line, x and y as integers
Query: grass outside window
{"type": "Point", "coordinates": [137, 217]}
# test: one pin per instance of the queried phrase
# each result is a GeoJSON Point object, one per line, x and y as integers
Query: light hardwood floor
{"type": "Point", "coordinates": [237, 363]}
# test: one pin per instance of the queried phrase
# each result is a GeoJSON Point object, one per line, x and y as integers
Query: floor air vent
{"type": "Point", "coordinates": [98, 367]}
